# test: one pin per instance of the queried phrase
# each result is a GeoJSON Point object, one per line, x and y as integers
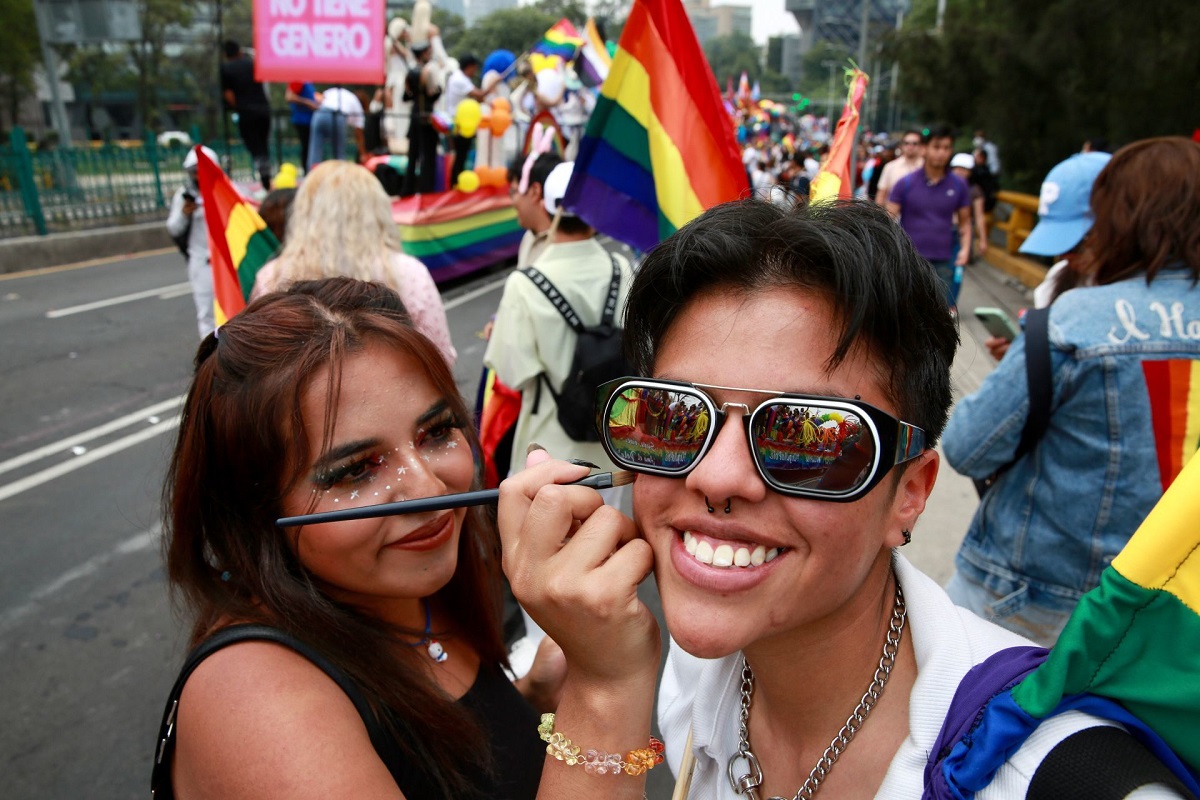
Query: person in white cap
{"type": "Point", "coordinates": [962, 165]}
{"type": "Point", "coordinates": [530, 338]}
{"type": "Point", "coordinates": [186, 225]}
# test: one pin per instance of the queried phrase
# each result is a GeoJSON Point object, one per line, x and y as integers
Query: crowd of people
{"type": "Point", "coordinates": [368, 656]}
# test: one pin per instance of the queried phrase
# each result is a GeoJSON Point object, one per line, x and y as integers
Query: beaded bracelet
{"type": "Point", "coordinates": [597, 762]}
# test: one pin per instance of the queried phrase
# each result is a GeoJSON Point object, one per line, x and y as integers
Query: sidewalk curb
{"type": "Point", "coordinates": [27, 253]}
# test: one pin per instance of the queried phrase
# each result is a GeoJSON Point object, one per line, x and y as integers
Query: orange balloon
{"type": "Point", "coordinates": [500, 121]}
{"type": "Point", "coordinates": [501, 103]}
{"type": "Point", "coordinates": [496, 176]}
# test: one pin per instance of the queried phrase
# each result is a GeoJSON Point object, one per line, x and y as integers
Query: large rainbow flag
{"type": "Point", "coordinates": [1132, 643]}
{"type": "Point", "coordinates": [659, 147]}
{"type": "Point", "coordinates": [454, 233]}
{"type": "Point", "coordinates": [834, 179]}
{"type": "Point", "coordinates": [561, 40]}
{"type": "Point", "coordinates": [239, 242]}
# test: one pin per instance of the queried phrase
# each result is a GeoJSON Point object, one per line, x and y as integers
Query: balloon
{"type": "Point", "coordinates": [467, 117]}
{"type": "Point", "coordinates": [501, 103]}
{"type": "Point", "coordinates": [493, 176]}
{"type": "Point", "coordinates": [498, 61]}
{"type": "Point", "coordinates": [468, 181]}
{"type": "Point", "coordinates": [501, 119]}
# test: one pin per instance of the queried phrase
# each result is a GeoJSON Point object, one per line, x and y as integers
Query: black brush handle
{"type": "Point", "coordinates": [442, 502]}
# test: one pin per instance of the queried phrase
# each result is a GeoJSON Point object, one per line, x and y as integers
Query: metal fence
{"type": "Point", "coordinates": [58, 190]}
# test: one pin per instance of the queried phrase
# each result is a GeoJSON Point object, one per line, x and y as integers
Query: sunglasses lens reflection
{"type": "Point", "coordinates": [812, 448]}
{"type": "Point", "coordinates": [655, 428]}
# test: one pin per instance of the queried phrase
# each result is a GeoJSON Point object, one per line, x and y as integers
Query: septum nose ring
{"type": "Point", "coordinates": [728, 505]}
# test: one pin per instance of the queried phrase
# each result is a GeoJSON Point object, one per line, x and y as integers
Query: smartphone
{"type": "Point", "coordinates": [997, 323]}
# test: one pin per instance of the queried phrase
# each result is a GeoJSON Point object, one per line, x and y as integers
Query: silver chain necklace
{"type": "Point", "coordinates": [748, 783]}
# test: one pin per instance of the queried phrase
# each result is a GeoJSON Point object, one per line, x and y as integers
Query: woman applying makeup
{"type": "Point", "coordinates": [375, 667]}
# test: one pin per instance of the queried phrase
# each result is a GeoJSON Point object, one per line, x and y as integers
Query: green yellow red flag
{"type": "Point", "coordinates": [239, 242]}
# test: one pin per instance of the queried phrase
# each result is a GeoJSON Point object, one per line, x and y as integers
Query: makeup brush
{"type": "Point", "coordinates": [603, 480]}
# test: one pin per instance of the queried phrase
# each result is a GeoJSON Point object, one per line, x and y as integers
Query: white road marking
{"type": "Point", "coordinates": [163, 292]}
{"type": "Point", "coordinates": [136, 543]}
{"type": "Point", "coordinates": [166, 406]}
{"type": "Point", "coordinates": [471, 295]}
{"type": "Point", "coordinates": [57, 471]}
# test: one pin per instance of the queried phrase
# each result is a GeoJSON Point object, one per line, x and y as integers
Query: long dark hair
{"type": "Point", "coordinates": [242, 446]}
{"type": "Point", "coordinates": [1146, 202]}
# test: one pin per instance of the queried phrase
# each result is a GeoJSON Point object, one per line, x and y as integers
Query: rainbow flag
{"type": "Point", "coordinates": [659, 147]}
{"type": "Point", "coordinates": [1174, 389]}
{"type": "Point", "coordinates": [454, 233]}
{"type": "Point", "coordinates": [593, 61]}
{"type": "Point", "coordinates": [834, 179]}
{"type": "Point", "coordinates": [239, 242]}
{"type": "Point", "coordinates": [562, 40]}
{"type": "Point", "coordinates": [1130, 646]}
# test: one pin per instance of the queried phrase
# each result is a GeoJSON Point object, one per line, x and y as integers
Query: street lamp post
{"type": "Point", "coordinates": [832, 66]}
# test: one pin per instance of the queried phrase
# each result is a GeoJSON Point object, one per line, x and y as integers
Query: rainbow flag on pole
{"type": "Point", "coordinates": [1132, 645]}
{"type": "Point", "coordinates": [561, 40]}
{"type": "Point", "coordinates": [239, 242]}
{"type": "Point", "coordinates": [834, 180]}
{"type": "Point", "coordinates": [659, 147]}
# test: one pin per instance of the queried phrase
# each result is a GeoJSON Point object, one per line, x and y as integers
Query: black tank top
{"type": "Point", "coordinates": [508, 722]}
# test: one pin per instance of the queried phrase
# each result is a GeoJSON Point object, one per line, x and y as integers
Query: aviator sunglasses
{"type": "Point", "coordinates": [823, 448]}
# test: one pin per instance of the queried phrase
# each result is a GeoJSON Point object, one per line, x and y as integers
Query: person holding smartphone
{"type": "Point", "coordinates": [186, 225]}
{"type": "Point", "coordinates": [1123, 346]}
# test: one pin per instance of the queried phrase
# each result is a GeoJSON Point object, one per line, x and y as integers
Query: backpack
{"type": "Point", "coordinates": [598, 357]}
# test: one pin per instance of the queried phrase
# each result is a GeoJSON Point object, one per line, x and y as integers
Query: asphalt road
{"type": "Point", "coordinates": [89, 644]}
{"type": "Point", "coordinates": [94, 365]}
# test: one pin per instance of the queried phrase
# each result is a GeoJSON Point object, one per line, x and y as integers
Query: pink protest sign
{"type": "Point", "coordinates": [325, 41]}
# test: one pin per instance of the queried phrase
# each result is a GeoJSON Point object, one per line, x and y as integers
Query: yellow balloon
{"type": "Point", "coordinates": [467, 117]}
{"type": "Point", "coordinates": [468, 181]}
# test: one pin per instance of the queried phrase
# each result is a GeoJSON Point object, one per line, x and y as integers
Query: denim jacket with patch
{"type": "Point", "coordinates": [1124, 358]}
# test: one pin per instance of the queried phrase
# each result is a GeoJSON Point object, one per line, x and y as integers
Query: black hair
{"type": "Point", "coordinates": [468, 61]}
{"type": "Point", "coordinates": [573, 225]}
{"type": "Point", "coordinates": [231, 48]}
{"type": "Point", "coordinates": [543, 165]}
{"type": "Point", "coordinates": [885, 296]}
{"type": "Point", "coordinates": [939, 132]}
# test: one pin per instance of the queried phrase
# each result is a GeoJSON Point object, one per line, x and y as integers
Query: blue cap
{"type": "Point", "coordinates": [1064, 213]}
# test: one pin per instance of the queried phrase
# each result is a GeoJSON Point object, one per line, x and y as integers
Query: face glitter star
{"type": "Point", "coordinates": [452, 443]}
{"type": "Point", "coordinates": [401, 470]}
{"type": "Point", "coordinates": [354, 494]}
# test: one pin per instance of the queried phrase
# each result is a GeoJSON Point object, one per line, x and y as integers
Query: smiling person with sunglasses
{"type": "Point", "coordinates": [794, 378]}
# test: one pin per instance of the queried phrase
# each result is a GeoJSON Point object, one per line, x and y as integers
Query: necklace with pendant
{"type": "Point", "coordinates": [432, 646]}
{"type": "Point", "coordinates": [748, 783]}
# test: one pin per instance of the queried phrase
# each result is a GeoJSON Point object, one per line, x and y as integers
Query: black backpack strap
{"type": "Point", "coordinates": [160, 778]}
{"type": "Point", "coordinates": [1101, 763]}
{"type": "Point", "coordinates": [1039, 377]}
{"type": "Point", "coordinates": [614, 292]}
{"type": "Point", "coordinates": [554, 296]}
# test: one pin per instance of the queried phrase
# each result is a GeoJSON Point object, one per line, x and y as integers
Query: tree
{"type": "Point", "coordinates": [18, 53]}
{"type": "Point", "coordinates": [159, 19]}
{"type": "Point", "coordinates": [610, 16]}
{"type": "Point", "coordinates": [730, 56]}
{"type": "Point", "coordinates": [573, 10]}
{"type": "Point", "coordinates": [450, 26]}
{"type": "Point", "coordinates": [95, 70]}
{"type": "Point", "coordinates": [1040, 76]}
{"type": "Point", "coordinates": [515, 29]}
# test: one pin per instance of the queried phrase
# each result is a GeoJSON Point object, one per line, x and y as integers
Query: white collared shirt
{"type": "Point", "coordinates": [947, 642]}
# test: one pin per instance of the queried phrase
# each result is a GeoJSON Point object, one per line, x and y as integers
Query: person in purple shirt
{"type": "Point", "coordinates": [933, 206]}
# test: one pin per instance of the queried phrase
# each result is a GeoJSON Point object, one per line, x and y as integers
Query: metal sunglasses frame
{"type": "Point", "coordinates": [896, 442]}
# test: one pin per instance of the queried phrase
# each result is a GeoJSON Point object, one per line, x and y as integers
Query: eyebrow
{"type": "Point", "coordinates": [436, 410]}
{"type": "Point", "coordinates": [335, 454]}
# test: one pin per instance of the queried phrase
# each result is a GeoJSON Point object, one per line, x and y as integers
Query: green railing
{"type": "Point", "coordinates": [83, 187]}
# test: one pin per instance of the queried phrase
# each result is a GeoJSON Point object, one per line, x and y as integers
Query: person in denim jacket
{"type": "Point", "coordinates": [1125, 354]}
